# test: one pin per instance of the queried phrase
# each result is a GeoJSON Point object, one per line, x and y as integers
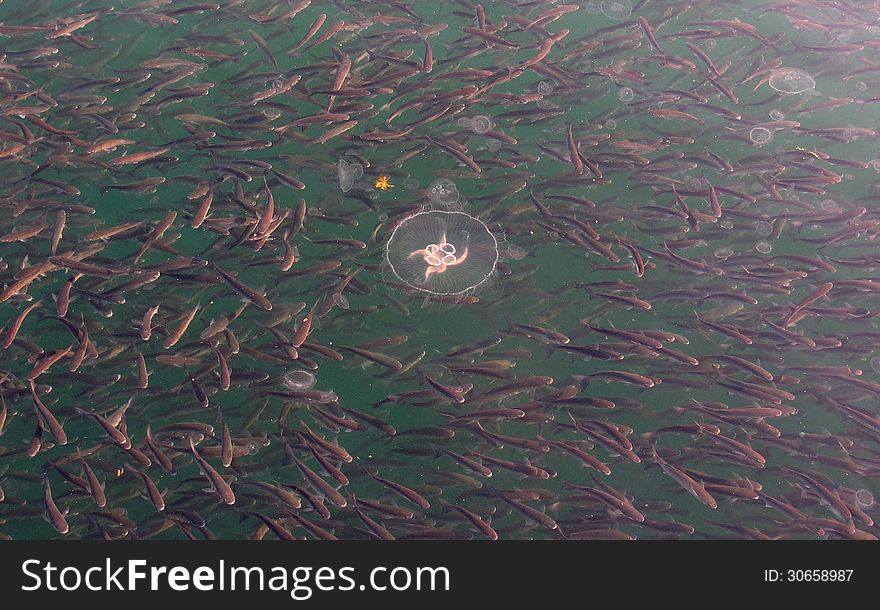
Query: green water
{"type": "Point", "coordinates": [640, 156]}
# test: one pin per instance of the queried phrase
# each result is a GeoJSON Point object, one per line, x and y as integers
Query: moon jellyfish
{"type": "Point", "coordinates": [693, 184]}
{"type": "Point", "coordinates": [546, 104]}
{"type": "Point", "coordinates": [723, 253]}
{"type": "Point", "coordinates": [626, 95]}
{"type": "Point", "coordinates": [861, 86]}
{"type": "Point", "coordinates": [875, 364]}
{"type": "Point", "coordinates": [777, 115]}
{"type": "Point", "coordinates": [348, 173]}
{"type": "Point", "coordinates": [864, 498]}
{"type": "Point", "coordinates": [763, 228]}
{"type": "Point", "coordinates": [481, 123]}
{"type": "Point", "coordinates": [610, 124]}
{"type": "Point", "coordinates": [443, 192]}
{"type": "Point", "coordinates": [410, 184]}
{"type": "Point", "coordinates": [617, 9]}
{"type": "Point", "coordinates": [876, 164]}
{"type": "Point", "coordinates": [792, 80]}
{"type": "Point", "coordinates": [764, 247]}
{"type": "Point", "coordinates": [299, 380]}
{"type": "Point", "coordinates": [829, 205]}
{"type": "Point", "coordinates": [465, 122]}
{"type": "Point", "coordinates": [760, 135]}
{"type": "Point", "coordinates": [545, 87]}
{"type": "Point", "coordinates": [442, 252]}
{"type": "Point", "coordinates": [710, 43]}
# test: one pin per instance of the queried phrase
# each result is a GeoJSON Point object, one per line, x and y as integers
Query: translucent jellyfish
{"type": "Point", "coordinates": [764, 247]}
{"type": "Point", "coordinates": [693, 184]}
{"type": "Point", "coordinates": [864, 498]}
{"type": "Point", "coordinates": [443, 192]}
{"type": "Point", "coordinates": [777, 115]}
{"type": "Point", "coordinates": [617, 9]}
{"type": "Point", "coordinates": [829, 205]}
{"type": "Point", "coordinates": [299, 380]}
{"type": "Point", "coordinates": [545, 87]}
{"type": "Point", "coordinates": [875, 364]}
{"type": "Point", "coordinates": [546, 105]}
{"type": "Point", "coordinates": [725, 224]}
{"type": "Point", "coordinates": [792, 80]}
{"type": "Point", "coordinates": [760, 135]}
{"type": "Point", "coordinates": [710, 43]}
{"type": "Point", "coordinates": [481, 123]}
{"type": "Point", "coordinates": [465, 121]}
{"type": "Point", "coordinates": [442, 252]}
{"type": "Point", "coordinates": [763, 228]}
{"type": "Point", "coordinates": [723, 253]}
{"type": "Point", "coordinates": [592, 7]}
{"type": "Point", "coordinates": [626, 95]}
{"type": "Point", "coordinates": [348, 173]}
{"type": "Point", "coordinates": [610, 124]}
{"type": "Point", "coordinates": [861, 86]}
{"type": "Point", "coordinates": [410, 184]}
{"type": "Point", "coordinates": [875, 163]}
{"type": "Point", "coordinates": [341, 301]}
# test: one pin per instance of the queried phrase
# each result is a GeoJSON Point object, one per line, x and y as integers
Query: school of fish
{"type": "Point", "coordinates": [201, 337]}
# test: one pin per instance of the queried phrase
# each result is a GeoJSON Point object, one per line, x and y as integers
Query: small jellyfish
{"type": "Point", "coordinates": [277, 85]}
{"type": "Point", "coordinates": [693, 184]}
{"type": "Point", "coordinates": [382, 216]}
{"type": "Point", "coordinates": [764, 247]}
{"type": "Point", "coordinates": [875, 163]}
{"type": "Point", "coordinates": [545, 87]}
{"type": "Point", "coordinates": [442, 252]}
{"type": "Point", "coordinates": [864, 498]}
{"type": "Point", "coordinates": [410, 184]}
{"type": "Point", "coordinates": [592, 7]}
{"type": "Point", "coordinates": [341, 301]}
{"type": "Point", "coordinates": [610, 124]}
{"type": "Point", "coordinates": [617, 9]}
{"type": "Point", "coordinates": [546, 105]}
{"type": "Point", "coordinates": [723, 253]}
{"type": "Point", "coordinates": [875, 364]}
{"type": "Point", "coordinates": [626, 95]}
{"type": "Point", "coordinates": [726, 224]}
{"type": "Point", "coordinates": [348, 173]}
{"type": "Point", "coordinates": [481, 123]}
{"type": "Point", "coordinates": [777, 115]}
{"type": "Point", "coordinates": [763, 228]}
{"type": "Point", "coordinates": [253, 447]}
{"type": "Point", "coordinates": [829, 205]}
{"type": "Point", "coordinates": [443, 192]}
{"type": "Point", "coordinates": [299, 380]}
{"type": "Point", "coordinates": [861, 86]}
{"type": "Point", "coordinates": [493, 144]}
{"type": "Point", "coordinates": [710, 43]}
{"type": "Point", "coordinates": [792, 80]}
{"type": "Point", "coordinates": [465, 121]}
{"type": "Point", "coordinates": [760, 136]}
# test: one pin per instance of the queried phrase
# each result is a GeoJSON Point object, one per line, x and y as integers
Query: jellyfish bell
{"type": "Point", "coordinates": [443, 192]}
{"type": "Point", "coordinates": [442, 252]}
{"type": "Point", "coordinates": [348, 173]}
{"type": "Point", "coordinates": [481, 123]}
{"type": "Point", "coordinates": [791, 80]}
{"type": "Point", "coordinates": [760, 136]}
{"type": "Point", "coordinates": [616, 9]}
